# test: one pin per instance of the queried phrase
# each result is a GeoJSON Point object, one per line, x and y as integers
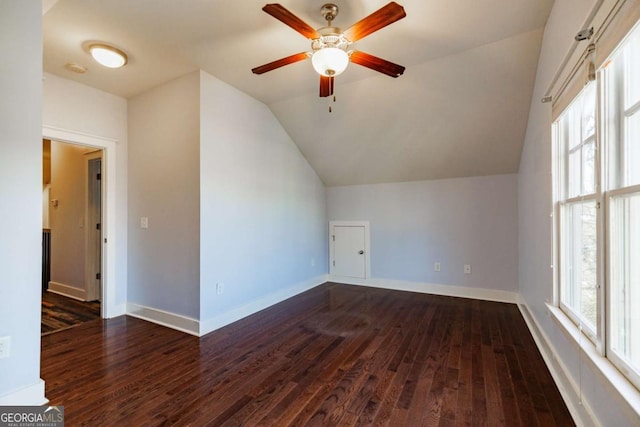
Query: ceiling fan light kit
{"type": "Point", "coordinates": [330, 61]}
{"type": "Point", "coordinates": [329, 45]}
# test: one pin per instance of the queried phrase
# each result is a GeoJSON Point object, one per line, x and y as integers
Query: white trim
{"type": "Point", "coordinates": [198, 328]}
{"type": "Point", "coordinates": [67, 291]}
{"type": "Point", "coordinates": [28, 396]}
{"type": "Point", "coordinates": [433, 288]}
{"type": "Point", "coordinates": [610, 374]}
{"type": "Point", "coordinates": [92, 284]}
{"type": "Point", "coordinates": [61, 134]}
{"type": "Point", "coordinates": [581, 412]}
{"type": "Point", "coordinates": [108, 300]}
{"type": "Point", "coordinates": [367, 243]}
{"type": "Point", "coordinates": [164, 318]}
{"type": "Point", "coordinates": [223, 319]}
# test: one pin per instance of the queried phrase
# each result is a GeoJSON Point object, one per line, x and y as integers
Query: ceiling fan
{"type": "Point", "coordinates": [330, 54]}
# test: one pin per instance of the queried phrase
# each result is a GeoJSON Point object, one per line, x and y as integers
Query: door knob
{"type": "Point", "coordinates": [361, 252]}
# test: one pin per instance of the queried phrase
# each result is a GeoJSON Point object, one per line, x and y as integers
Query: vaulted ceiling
{"type": "Point", "coordinates": [460, 109]}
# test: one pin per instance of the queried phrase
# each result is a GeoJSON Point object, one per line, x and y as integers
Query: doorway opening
{"type": "Point", "coordinates": [72, 234]}
{"type": "Point", "coordinates": [109, 242]}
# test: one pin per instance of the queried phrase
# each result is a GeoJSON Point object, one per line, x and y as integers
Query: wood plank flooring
{"type": "Point", "coordinates": [336, 355]}
{"type": "Point", "coordinates": [60, 312]}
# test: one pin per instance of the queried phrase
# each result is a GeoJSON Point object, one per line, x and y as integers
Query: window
{"type": "Point", "coordinates": [621, 89]}
{"type": "Point", "coordinates": [575, 133]}
{"type": "Point", "coordinates": [597, 208]}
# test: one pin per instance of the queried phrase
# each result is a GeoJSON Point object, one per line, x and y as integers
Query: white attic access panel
{"type": "Point", "coordinates": [349, 249]}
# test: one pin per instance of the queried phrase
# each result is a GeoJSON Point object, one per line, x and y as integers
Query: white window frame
{"type": "Point", "coordinates": [610, 183]}
{"type": "Point", "coordinates": [562, 201]}
{"type": "Point", "coordinates": [616, 186]}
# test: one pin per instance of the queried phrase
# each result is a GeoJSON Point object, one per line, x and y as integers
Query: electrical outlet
{"type": "Point", "coordinates": [219, 288]}
{"type": "Point", "coordinates": [467, 269]}
{"type": "Point", "coordinates": [436, 266]}
{"type": "Point", "coordinates": [5, 347]}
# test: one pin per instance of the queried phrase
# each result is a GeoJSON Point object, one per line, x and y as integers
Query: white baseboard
{"type": "Point", "coordinates": [68, 291]}
{"type": "Point", "coordinates": [432, 288]}
{"type": "Point", "coordinates": [164, 318]}
{"type": "Point", "coordinates": [203, 327]}
{"type": "Point", "coordinates": [580, 410]}
{"type": "Point", "coordinates": [32, 395]}
{"type": "Point", "coordinates": [199, 328]}
{"type": "Point", "coordinates": [223, 319]}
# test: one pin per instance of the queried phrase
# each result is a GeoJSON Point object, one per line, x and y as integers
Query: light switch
{"type": "Point", "coordinates": [5, 347]}
{"type": "Point", "coordinates": [144, 222]}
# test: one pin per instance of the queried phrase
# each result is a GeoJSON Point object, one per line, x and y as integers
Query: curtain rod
{"type": "Point", "coordinates": [592, 13]}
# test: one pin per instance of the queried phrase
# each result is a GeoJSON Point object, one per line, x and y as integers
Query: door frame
{"type": "Point", "coordinates": [367, 245]}
{"type": "Point", "coordinates": [92, 261]}
{"type": "Point", "coordinates": [108, 306]}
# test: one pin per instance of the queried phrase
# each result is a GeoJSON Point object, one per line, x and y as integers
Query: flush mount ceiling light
{"type": "Point", "coordinates": [108, 56]}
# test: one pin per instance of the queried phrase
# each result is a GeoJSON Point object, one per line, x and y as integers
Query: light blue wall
{"type": "Point", "coordinates": [452, 221]}
{"type": "Point", "coordinates": [229, 197]}
{"type": "Point", "coordinates": [21, 197]}
{"type": "Point", "coordinates": [164, 187]}
{"type": "Point", "coordinates": [263, 208]}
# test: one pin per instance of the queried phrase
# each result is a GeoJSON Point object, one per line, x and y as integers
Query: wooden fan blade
{"type": "Point", "coordinates": [384, 16]}
{"type": "Point", "coordinates": [326, 86]}
{"type": "Point", "coordinates": [283, 15]}
{"type": "Point", "coordinates": [377, 64]}
{"type": "Point", "coordinates": [280, 63]}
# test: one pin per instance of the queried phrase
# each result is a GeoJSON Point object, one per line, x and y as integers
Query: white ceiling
{"type": "Point", "coordinates": [460, 109]}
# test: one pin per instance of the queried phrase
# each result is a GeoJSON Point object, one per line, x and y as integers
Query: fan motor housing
{"type": "Point", "coordinates": [330, 37]}
{"type": "Point", "coordinates": [329, 11]}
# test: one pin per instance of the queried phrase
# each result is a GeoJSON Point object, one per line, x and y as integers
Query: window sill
{"type": "Point", "coordinates": [619, 382]}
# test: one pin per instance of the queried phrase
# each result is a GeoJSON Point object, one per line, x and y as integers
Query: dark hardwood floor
{"type": "Point", "coordinates": [336, 355]}
{"type": "Point", "coordinates": [60, 312]}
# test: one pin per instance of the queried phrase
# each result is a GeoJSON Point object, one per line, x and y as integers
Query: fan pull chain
{"type": "Point", "coordinates": [334, 100]}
